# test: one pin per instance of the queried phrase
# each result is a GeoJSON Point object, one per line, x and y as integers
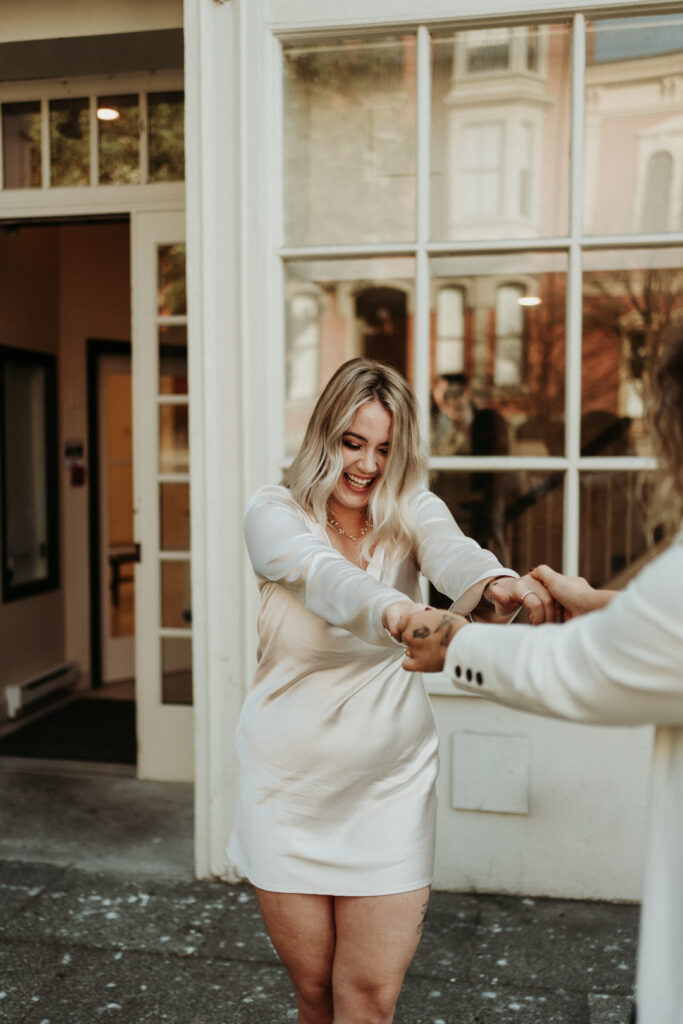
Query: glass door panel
{"type": "Point", "coordinates": [162, 467]}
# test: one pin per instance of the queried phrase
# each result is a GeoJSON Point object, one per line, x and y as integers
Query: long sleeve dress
{"type": "Point", "coordinates": [621, 666]}
{"type": "Point", "coordinates": [336, 743]}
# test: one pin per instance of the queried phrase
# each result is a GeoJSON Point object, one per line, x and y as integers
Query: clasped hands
{"type": "Point", "coordinates": [547, 595]}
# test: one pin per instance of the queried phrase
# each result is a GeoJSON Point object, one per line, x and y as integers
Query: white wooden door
{"type": "Point", "coordinates": [162, 497]}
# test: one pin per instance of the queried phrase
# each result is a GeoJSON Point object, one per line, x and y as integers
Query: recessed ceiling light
{"type": "Point", "coordinates": [529, 300]}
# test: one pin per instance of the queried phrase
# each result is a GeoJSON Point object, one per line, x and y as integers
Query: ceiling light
{"type": "Point", "coordinates": [108, 113]}
{"type": "Point", "coordinates": [529, 300]}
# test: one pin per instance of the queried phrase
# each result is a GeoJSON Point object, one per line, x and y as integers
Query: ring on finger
{"type": "Point", "coordinates": [525, 595]}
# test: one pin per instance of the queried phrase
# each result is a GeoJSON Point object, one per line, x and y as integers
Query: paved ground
{"type": "Point", "coordinates": [101, 920]}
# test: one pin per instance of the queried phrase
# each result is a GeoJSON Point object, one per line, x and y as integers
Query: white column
{"type": "Point", "coordinates": [225, 372]}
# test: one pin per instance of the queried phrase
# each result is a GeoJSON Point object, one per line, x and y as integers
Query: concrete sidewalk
{"type": "Point", "coordinates": [101, 920]}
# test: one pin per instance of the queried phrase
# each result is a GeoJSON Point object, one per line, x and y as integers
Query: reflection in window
{"type": "Point", "coordinates": [509, 354]}
{"type": "Point", "coordinates": [499, 162]}
{"type": "Point", "coordinates": [450, 330]}
{"type": "Point", "coordinates": [165, 114]}
{"type": "Point", "coordinates": [176, 594]}
{"type": "Point", "coordinates": [613, 539]}
{"type": "Point", "coordinates": [21, 145]}
{"type": "Point", "coordinates": [70, 142]}
{"type": "Point", "coordinates": [174, 448]}
{"type": "Point", "coordinates": [304, 345]}
{"type": "Point", "coordinates": [336, 310]}
{"type": "Point", "coordinates": [630, 298]}
{"type": "Point", "coordinates": [657, 201]}
{"type": "Point", "coordinates": [171, 294]}
{"type": "Point", "coordinates": [488, 49]}
{"type": "Point", "coordinates": [174, 516]}
{"type": "Point", "coordinates": [176, 668]}
{"type": "Point", "coordinates": [633, 120]}
{"type": "Point", "coordinates": [118, 119]}
{"type": "Point", "coordinates": [481, 171]}
{"type": "Point", "coordinates": [349, 138]}
{"type": "Point", "coordinates": [28, 472]}
{"type": "Point", "coordinates": [381, 314]}
{"type": "Point", "coordinates": [514, 355]}
{"type": "Point", "coordinates": [516, 515]}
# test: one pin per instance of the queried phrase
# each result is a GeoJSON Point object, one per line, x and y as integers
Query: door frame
{"type": "Point", "coordinates": [96, 349]}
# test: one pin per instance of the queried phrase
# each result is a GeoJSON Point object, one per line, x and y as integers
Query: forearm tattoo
{"type": "Point", "coordinates": [445, 627]}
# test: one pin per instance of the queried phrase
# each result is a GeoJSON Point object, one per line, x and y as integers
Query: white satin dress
{"type": "Point", "coordinates": [337, 744]}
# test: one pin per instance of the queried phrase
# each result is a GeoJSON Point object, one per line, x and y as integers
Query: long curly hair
{"type": "Point", "coordinates": [666, 421]}
{"type": "Point", "coordinates": [316, 469]}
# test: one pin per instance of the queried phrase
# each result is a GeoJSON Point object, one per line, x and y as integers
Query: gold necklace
{"type": "Point", "coordinates": [340, 529]}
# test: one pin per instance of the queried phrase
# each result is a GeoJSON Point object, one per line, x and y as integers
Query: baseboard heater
{"type": "Point", "coordinates": [33, 693]}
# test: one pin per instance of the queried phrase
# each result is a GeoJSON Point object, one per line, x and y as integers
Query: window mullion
{"type": "Point", "coordinates": [574, 303]}
{"type": "Point", "coordinates": [45, 143]}
{"type": "Point", "coordinates": [421, 369]}
{"type": "Point", "coordinates": [93, 103]}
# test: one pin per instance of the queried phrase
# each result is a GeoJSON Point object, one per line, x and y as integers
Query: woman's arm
{"type": "Point", "coordinates": [454, 563]}
{"type": "Point", "coordinates": [620, 665]}
{"type": "Point", "coordinates": [283, 549]}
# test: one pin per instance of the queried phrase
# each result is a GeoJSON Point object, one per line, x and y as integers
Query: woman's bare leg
{"type": "Point", "coordinates": [376, 939]}
{"type": "Point", "coordinates": [301, 928]}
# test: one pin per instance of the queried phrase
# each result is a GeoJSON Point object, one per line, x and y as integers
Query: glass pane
{"type": "Point", "coordinates": [171, 296]}
{"type": "Point", "coordinates": [500, 123]}
{"type": "Point", "coordinates": [70, 142]}
{"type": "Point", "coordinates": [613, 539]}
{"type": "Point", "coordinates": [497, 354]}
{"type": "Point", "coordinates": [173, 359]}
{"type": "Point", "coordinates": [174, 453]}
{"type": "Point", "coordinates": [118, 119]}
{"type": "Point", "coordinates": [166, 116]}
{"type": "Point", "coordinates": [174, 508]}
{"type": "Point", "coordinates": [117, 455]}
{"type": "Point", "coordinates": [630, 297]}
{"type": "Point", "coordinates": [21, 145]}
{"type": "Point", "coordinates": [634, 111]}
{"type": "Point", "coordinates": [176, 666]}
{"type": "Point", "coordinates": [176, 599]}
{"type": "Point", "coordinates": [517, 516]}
{"type": "Point", "coordinates": [338, 309]}
{"type": "Point", "coordinates": [349, 137]}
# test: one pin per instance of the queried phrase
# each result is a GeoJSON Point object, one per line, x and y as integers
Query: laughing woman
{"type": "Point", "coordinates": [337, 744]}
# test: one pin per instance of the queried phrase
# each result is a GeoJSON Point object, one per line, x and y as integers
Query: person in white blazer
{"type": "Point", "coordinates": [620, 664]}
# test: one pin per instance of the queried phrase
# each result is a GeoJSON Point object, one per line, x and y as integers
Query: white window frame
{"type": "Point", "coordinates": [47, 199]}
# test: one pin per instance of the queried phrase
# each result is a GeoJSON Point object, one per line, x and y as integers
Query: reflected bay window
{"type": "Point", "coordinates": [509, 342]}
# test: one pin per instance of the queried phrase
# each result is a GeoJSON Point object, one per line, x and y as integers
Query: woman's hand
{"type": "Point", "coordinates": [573, 594]}
{"type": "Point", "coordinates": [427, 635]}
{"type": "Point", "coordinates": [395, 616]}
{"type": "Point", "coordinates": [510, 594]}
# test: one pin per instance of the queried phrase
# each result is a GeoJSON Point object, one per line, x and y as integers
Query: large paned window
{"type": "Point", "coordinates": [497, 212]}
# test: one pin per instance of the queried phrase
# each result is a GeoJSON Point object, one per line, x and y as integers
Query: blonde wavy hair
{"type": "Point", "coordinates": [316, 469]}
{"type": "Point", "coordinates": [665, 511]}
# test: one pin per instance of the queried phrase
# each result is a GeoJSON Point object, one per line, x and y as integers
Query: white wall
{"type": "Point", "coordinates": [45, 19]}
{"type": "Point", "coordinates": [581, 834]}
{"type": "Point", "coordinates": [29, 302]}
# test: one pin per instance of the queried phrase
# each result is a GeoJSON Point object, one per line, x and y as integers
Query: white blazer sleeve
{"type": "Point", "coordinates": [449, 559]}
{"type": "Point", "coordinates": [622, 665]}
{"type": "Point", "coordinates": [283, 549]}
